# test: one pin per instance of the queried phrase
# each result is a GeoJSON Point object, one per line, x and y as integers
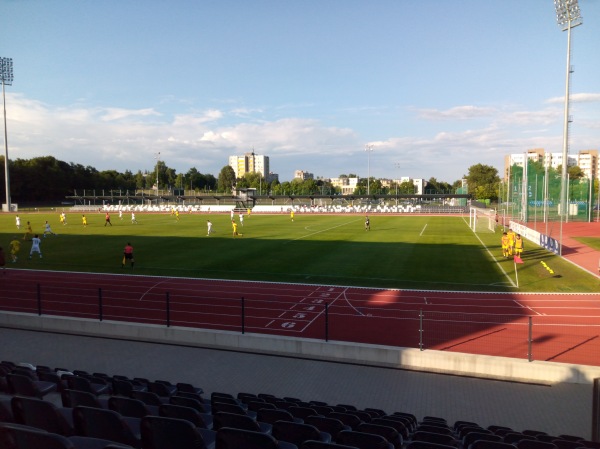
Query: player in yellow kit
{"type": "Point", "coordinates": [519, 245]}
{"type": "Point", "coordinates": [511, 241]}
{"type": "Point", "coordinates": [504, 242]}
{"type": "Point", "coordinates": [15, 247]}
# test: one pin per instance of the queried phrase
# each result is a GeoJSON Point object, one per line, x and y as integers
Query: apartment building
{"type": "Point", "coordinates": [250, 163]}
{"type": "Point", "coordinates": [587, 160]}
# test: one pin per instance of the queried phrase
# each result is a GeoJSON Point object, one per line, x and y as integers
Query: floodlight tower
{"type": "Point", "coordinates": [6, 74]}
{"type": "Point", "coordinates": [157, 161]}
{"type": "Point", "coordinates": [568, 16]}
{"type": "Point", "coordinates": [369, 150]}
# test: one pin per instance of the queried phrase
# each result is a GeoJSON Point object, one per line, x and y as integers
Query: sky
{"type": "Point", "coordinates": [431, 86]}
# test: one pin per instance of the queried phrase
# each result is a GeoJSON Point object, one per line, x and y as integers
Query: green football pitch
{"type": "Point", "coordinates": [416, 252]}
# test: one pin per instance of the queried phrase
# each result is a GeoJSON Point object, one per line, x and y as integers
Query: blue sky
{"type": "Point", "coordinates": [434, 85]}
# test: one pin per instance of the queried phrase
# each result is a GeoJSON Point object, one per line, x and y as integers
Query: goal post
{"type": "Point", "coordinates": [482, 220]}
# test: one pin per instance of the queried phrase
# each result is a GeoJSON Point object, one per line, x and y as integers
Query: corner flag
{"type": "Point", "coordinates": [518, 259]}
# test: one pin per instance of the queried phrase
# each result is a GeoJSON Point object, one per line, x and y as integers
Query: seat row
{"type": "Point", "coordinates": [280, 420]}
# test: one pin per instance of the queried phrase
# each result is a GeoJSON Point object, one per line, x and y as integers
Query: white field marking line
{"type": "Point", "coordinates": [318, 314]}
{"type": "Point", "coordinates": [527, 307]}
{"type": "Point", "coordinates": [134, 277]}
{"type": "Point", "coordinates": [324, 230]}
{"type": "Point", "coordinates": [492, 256]}
{"type": "Point", "coordinates": [423, 230]}
{"type": "Point", "coordinates": [350, 304]}
{"type": "Point", "coordinates": [292, 309]}
{"type": "Point", "coordinates": [152, 287]}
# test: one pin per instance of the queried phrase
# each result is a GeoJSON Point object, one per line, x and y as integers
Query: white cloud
{"type": "Point", "coordinates": [456, 113]}
{"type": "Point", "coordinates": [117, 138]}
{"type": "Point", "coordinates": [576, 98]}
{"type": "Point", "coordinates": [110, 114]}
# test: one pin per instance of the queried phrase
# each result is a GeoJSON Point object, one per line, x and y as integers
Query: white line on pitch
{"type": "Point", "coordinates": [423, 230]}
{"type": "Point", "coordinates": [324, 230]}
{"type": "Point", "coordinates": [527, 307]}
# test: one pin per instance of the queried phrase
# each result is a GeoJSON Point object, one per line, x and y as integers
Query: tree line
{"type": "Point", "coordinates": [47, 179]}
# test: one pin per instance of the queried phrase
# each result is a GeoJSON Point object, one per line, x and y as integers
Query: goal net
{"type": "Point", "coordinates": [482, 220]}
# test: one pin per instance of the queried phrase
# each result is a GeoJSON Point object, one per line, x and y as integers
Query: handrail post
{"type": "Point", "coordinates": [243, 316]}
{"type": "Point", "coordinates": [168, 306]}
{"type": "Point", "coordinates": [420, 329]}
{"type": "Point", "coordinates": [530, 339]}
{"type": "Point", "coordinates": [326, 321]}
{"type": "Point", "coordinates": [39, 299]}
{"type": "Point", "coordinates": [100, 303]}
{"type": "Point", "coordinates": [596, 410]}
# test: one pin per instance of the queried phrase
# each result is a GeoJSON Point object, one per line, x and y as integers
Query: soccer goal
{"type": "Point", "coordinates": [482, 220]}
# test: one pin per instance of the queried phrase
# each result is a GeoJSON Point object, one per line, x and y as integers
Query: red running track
{"type": "Point", "coordinates": [564, 327]}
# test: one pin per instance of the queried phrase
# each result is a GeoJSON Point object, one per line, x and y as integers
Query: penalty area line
{"type": "Point", "coordinates": [324, 230]}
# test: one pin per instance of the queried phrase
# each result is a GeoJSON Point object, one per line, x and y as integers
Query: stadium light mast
{"type": "Point", "coordinates": [568, 16]}
{"type": "Point", "coordinates": [369, 150]}
{"type": "Point", "coordinates": [157, 161]}
{"type": "Point", "coordinates": [6, 74]}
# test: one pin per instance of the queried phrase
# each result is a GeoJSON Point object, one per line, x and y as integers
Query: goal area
{"type": "Point", "coordinates": [482, 220]}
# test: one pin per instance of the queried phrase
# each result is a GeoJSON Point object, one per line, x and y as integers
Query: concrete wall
{"type": "Point", "coordinates": [363, 354]}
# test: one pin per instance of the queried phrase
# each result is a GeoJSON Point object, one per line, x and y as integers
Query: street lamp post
{"type": "Point", "coordinates": [157, 161]}
{"type": "Point", "coordinates": [568, 16]}
{"type": "Point", "coordinates": [6, 74]}
{"type": "Point", "coordinates": [397, 165]}
{"type": "Point", "coordinates": [368, 149]}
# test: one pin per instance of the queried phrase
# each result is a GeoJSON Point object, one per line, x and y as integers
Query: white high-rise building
{"type": "Point", "coordinates": [249, 163]}
{"type": "Point", "coordinates": [587, 160]}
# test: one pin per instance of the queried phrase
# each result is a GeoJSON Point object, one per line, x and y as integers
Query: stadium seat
{"type": "Point", "coordinates": [25, 386]}
{"type": "Point", "coordinates": [231, 408]}
{"type": "Point", "coordinates": [363, 440]}
{"type": "Point", "coordinates": [190, 402]}
{"type": "Point", "coordinates": [561, 443]}
{"type": "Point", "coordinates": [515, 437]}
{"type": "Point", "coordinates": [325, 424]}
{"type": "Point", "coordinates": [471, 437]}
{"type": "Point", "coordinates": [398, 424]}
{"type": "Point", "coordinates": [83, 384]}
{"type": "Point", "coordinates": [133, 408]}
{"type": "Point", "coordinates": [312, 444]}
{"type": "Point", "coordinates": [534, 444]}
{"type": "Point", "coordinates": [444, 430]}
{"type": "Point", "coordinates": [437, 438]}
{"type": "Point", "coordinates": [43, 415]}
{"type": "Point", "coordinates": [255, 406]}
{"type": "Point", "coordinates": [6, 414]}
{"type": "Point", "coordinates": [158, 432]}
{"type": "Point", "coordinates": [389, 433]}
{"type": "Point", "coordinates": [350, 420]}
{"type": "Point", "coordinates": [73, 398]}
{"type": "Point", "coordinates": [409, 417]}
{"type": "Point", "coordinates": [183, 387]}
{"type": "Point", "coordinates": [246, 397]}
{"type": "Point", "coordinates": [17, 436]}
{"type": "Point", "coordinates": [301, 412]}
{"type": "Point", "coordinates": [272, 415]}
{"type": "Point", "coordinates": [223, 419]}
{"type": "Point", "coordinates": [428, 445]}
{"type": "Point", "coordinates": [297, 433]}
{"type": "Point", "coordinates": [375, 412]}
{"type": "Point", "coordinates": [149, 398]}
{"type": "Point", "coordinates": [323, 410]}
{"type": "Point", "coordinates": [162, 389]}
{"type": "Point", "coordinates": [107, 425]}
{"type": "Point", "coordinates": [229, 438]}
{"type": "Point", "coordinates": [484, 444]}
{"type": "Point", "coordinates": [202, 420]}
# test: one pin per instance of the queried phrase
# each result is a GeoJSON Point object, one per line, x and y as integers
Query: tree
{"type": "Point", "coordinates": [227, 180]}
{"type": "Point", "coordinates": [483, 182]}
